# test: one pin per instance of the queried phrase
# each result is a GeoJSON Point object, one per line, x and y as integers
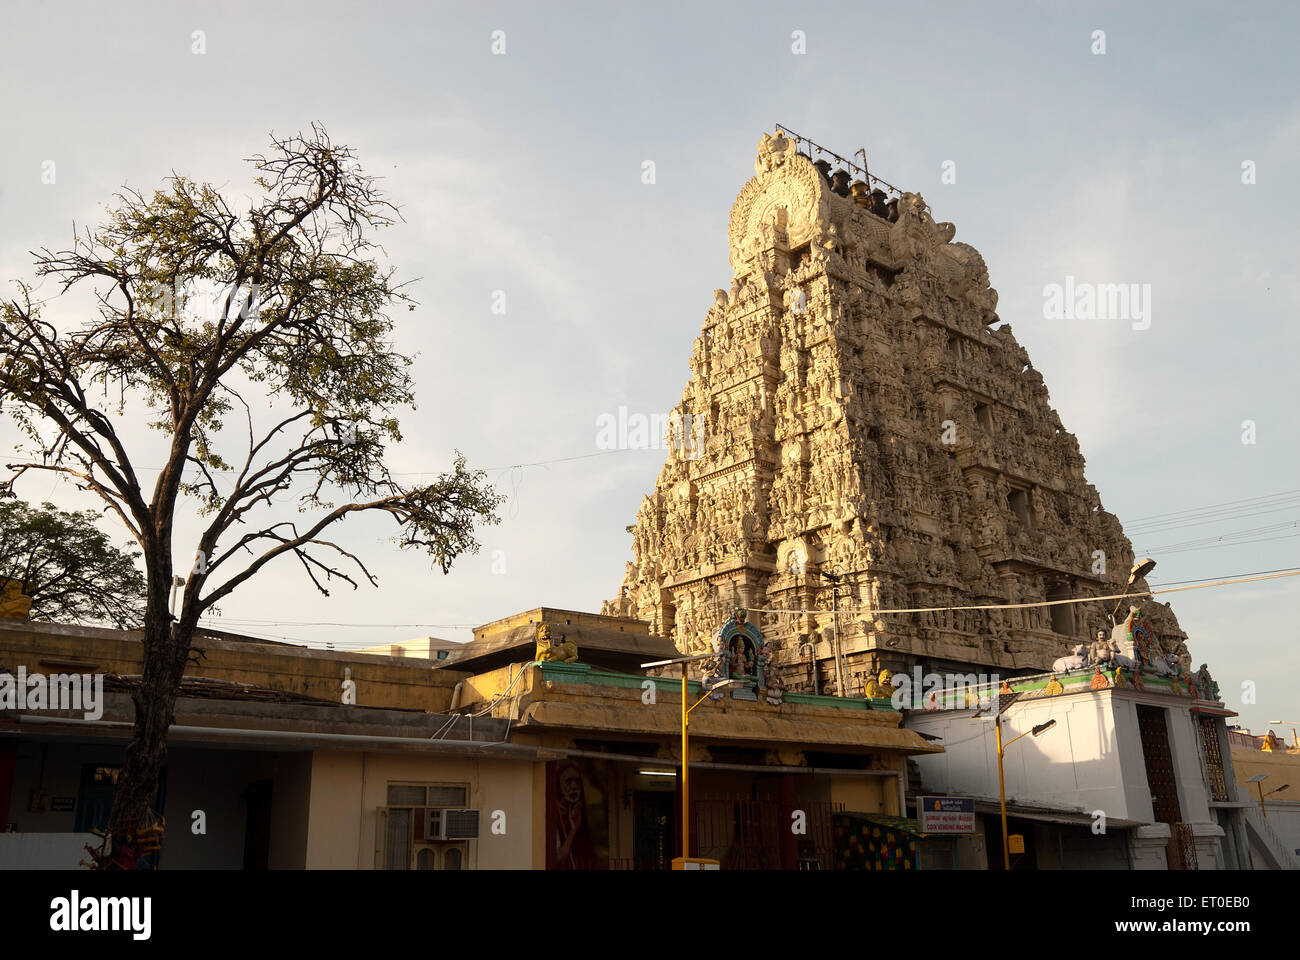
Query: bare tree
{"type": "Point", "coordinates": [297, 320]}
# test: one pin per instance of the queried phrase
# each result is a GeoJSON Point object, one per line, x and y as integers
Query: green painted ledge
{"type": "Point", "coordinates": [1072, 681]}
{"type": "Point", "coordinates": [582, 673]}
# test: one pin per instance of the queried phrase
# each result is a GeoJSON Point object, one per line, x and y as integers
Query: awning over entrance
{"type": "Point", "coordinates": [1071, 818]}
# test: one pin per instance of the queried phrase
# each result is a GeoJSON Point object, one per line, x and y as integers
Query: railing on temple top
{"type": "Point", "coordinates": [813, 150]}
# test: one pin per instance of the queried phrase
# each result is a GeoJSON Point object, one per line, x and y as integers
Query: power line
{"type": "Point", "coordinates": [429, 473]}
{"type": "Point", "coordinates": [1168, 588]}
{"type": "Point", "coordinates": [331, 623]}
{"type": "Point", "coordinates": [1253, 573]}
{"type": "Point", "coordinates": [1235, 543]}
{"type": "Point", "coordinates": [1229, 515]}
{"type": "Point", "coordinates": [1231, 535]}
{"type": "Point", "coordinates": [1226, 503]}
{"type": "Point", "coordinates": [1143, 526]}
{"type": "Point", "coordinates": [1295, 572]}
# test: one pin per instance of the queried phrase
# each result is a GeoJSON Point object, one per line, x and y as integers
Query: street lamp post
{"type": "Point", "coordinates": [1002, 798]}
{"type": "Point", "coordinates": [1259, 785]}
{"type": "Point", "coordinates": [1002, 789]}
{"type": "Point", "coordinates": [835, 579]}
{"type": "Point", "coordinates": [686, 763]}
{"type": "Point", "coordinates": [1258, 780]}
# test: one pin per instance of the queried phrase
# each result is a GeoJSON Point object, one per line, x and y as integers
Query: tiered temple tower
{"type": "Point", "coordinates": [851, 418]}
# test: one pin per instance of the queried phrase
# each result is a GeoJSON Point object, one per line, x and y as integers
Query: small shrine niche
{"type": "Point", "coordinates": [742, 657]}
{"type": "Point", "coordinates": [739, 655]}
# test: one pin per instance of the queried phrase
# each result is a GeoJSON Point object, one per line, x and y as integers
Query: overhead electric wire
{"type": "Point", "coordinates": [1036, 603]}
{"type": "Point", "coordinates": [1188, 517]}
{"type": "Point", "coordinates": [1231, 535]}
{"type": "Point", "coordinates": [508, 466]}
{"type": "Point", "coordinates": [1159, 528]}
{"type": "Point", "coordinates": [1137, 521]}
{"type": "Point", "coordinates": [1168, 588]}
{"type": "Point", "coordinates": [1235, 543]}
{"type": "Point", "coordinates": [1253, 573]}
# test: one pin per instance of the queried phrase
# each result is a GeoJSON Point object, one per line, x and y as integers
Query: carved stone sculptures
{"type": "Point", "coordinates": [854, 402]}
{"type": "Point", "coordinates": [1077, 660]}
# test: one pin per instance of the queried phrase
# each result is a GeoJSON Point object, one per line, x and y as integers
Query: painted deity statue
{"type": "Point", "coordinates": [13, 602]}
{"type": "Point", "coordinates": [743, 652]}
{"type": "Point", "coordinates": [1134, 639]}
{"type": "Point", "coordinates": [550, 650]}
{"type": "Point", "coordinates": [1205, 683]}
{"type": "Point", "coordinates": [881, 687]}
{"type": "Point", "coordinates": [1102, 650]}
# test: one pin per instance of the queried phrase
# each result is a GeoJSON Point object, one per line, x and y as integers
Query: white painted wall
{"type": "Point", "coordinates": [1090, 760]}
{"type": "Point", "coordinates": [1284, 818]}
{"type": "Point", "coordinates": [349, 787]}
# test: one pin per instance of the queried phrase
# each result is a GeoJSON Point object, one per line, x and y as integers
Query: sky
{"type": "Point", "coordinates": [1167, 160]}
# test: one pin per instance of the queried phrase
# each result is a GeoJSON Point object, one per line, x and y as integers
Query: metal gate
{"type": "Point", "coordinates": [1154, 732]}
{"type": "Point", "coordinates": [743, 833]}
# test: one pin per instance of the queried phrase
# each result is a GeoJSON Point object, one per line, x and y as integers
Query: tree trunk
{"type": "Point", "coordinates": [165, 655]}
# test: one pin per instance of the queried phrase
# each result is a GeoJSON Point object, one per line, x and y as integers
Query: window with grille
{"type": "Point", "coordinates": [1213, 759]}
{"type": "Point", "coordinates": [405, 843]}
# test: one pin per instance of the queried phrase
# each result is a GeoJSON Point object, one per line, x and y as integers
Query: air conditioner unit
{"type": "Point", "coordinates": [450, 824]}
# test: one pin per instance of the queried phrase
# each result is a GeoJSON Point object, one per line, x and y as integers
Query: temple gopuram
{"type": "Point", "coordinates": [862, 434]}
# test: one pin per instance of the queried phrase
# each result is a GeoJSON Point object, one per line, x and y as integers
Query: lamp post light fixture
{"type": "Point", "coordinates": [1271, 792]}
{"type": "Point", "coordinates": [1139, 570]}
{"type": "Point", "coordinates": [686, 788]}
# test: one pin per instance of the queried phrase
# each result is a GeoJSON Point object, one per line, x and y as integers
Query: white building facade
{"type": "Point", "coordinates": [1115, 776]}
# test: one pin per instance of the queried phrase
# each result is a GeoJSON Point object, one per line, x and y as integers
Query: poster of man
{"type": "Point", "coordinates": [577, 820]}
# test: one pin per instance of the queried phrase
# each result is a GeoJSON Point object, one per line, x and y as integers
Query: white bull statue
{"type": "Point", "coordinates": [1076, 661]}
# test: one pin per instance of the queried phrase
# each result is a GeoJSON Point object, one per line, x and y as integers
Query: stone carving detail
{"type": "Point", "coordinates": [856, 415]}
{"type": "Point", "coordinates": [785, 201]}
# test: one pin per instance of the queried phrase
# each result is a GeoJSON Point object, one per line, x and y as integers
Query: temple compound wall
{"type": "Point", "coordinates": [854, 434]}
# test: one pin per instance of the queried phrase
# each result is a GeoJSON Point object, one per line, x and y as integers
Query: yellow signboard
{"type": "Point", "coordinates": [1016, 843]}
